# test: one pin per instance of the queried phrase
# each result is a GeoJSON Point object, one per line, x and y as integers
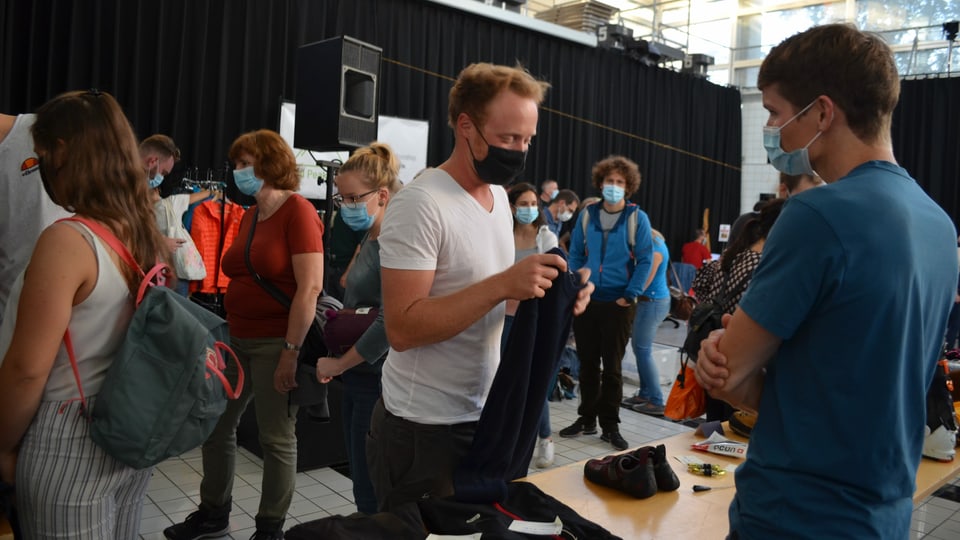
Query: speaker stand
{"type": "Point", "coordinates": [330, 169]}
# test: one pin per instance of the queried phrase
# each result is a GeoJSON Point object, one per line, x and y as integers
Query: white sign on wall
{"type": "Point", "coordinates": [408, 139]}
{"type": "Point", "coordinates": [724, 233]}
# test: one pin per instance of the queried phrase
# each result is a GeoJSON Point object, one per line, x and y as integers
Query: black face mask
{"type": "Point", "coordinates": [501, 166]}
{"type": "Point", "coordinates": [45, 175]}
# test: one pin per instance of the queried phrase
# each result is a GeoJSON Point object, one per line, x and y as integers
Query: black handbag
{"type": "Point", "coordinates": [707, 317]}
{"type": "Point", "coordinates": [309, 390]}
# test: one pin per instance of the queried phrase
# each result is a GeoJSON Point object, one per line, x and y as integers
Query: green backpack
{"type": "Point", "coordinates": [165, 390]}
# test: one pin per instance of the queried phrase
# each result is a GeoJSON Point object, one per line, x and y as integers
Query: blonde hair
{"type": "Point", "coordinates": [478, 84]}
{"type": "Point", "coordinates": [378, 165]}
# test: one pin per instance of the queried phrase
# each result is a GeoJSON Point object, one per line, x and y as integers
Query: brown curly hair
{"type": "Point", "coordinates": [275, 163]}
{"type": "Point", "coordinates": [622, 165]}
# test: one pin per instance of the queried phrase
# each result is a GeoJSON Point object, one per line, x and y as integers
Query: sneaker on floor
{"type": "Point", "coordinates": [635, 400]}
{"type": "Point", "coordinates": [198, 525]}
{"type": "Point", "coordinates": [545, 453]}
{"type": "Point", "coordinates": [580, 427]}
{"type": "Point", "coordinates": [615, 439]}
{"type": "Point", "coordinates": [649, 408]}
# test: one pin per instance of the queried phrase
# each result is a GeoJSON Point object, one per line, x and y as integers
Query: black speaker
{"type": "Point", "coordinates": [338, 94]}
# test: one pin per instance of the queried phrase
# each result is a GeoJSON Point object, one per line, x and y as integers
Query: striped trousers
{"type": "Point", "coordinates": [67, 487]}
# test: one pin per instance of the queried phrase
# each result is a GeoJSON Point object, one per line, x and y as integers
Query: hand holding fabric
{"type": "Point", "coordinates": [532, 276]}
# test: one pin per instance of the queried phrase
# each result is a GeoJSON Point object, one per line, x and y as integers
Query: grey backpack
{"type": "Point", "coordinates": [165, 390]}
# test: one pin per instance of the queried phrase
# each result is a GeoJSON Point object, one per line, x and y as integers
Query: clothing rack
{"type": "Point", "coordinates": [192, 180]}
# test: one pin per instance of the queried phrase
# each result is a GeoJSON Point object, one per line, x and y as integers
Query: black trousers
{"type": "Point", "coordinates": [602, 332]}
{"type": "Point", "coordinates": [408, 460]}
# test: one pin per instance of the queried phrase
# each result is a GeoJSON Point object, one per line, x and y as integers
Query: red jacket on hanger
{"type": "Point", "coordinates": [205, 231]}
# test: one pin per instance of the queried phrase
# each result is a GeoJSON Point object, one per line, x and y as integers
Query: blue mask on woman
{"type": "Point", "coordinates": [612, 194]}
{"type": "Point", "coordinates": [356, 218]}
{"type": "Point", "coordinates": [247, 183]}
{"type": "Point", "coordinates": [155, 181]}
{"type": "Point", "coordinates": [793, 163]}
{"type": "Point", "coordinates": [527, 214]}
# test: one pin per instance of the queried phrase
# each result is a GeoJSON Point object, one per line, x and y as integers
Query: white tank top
{"type": "Point", "coordinates": [97, 327]}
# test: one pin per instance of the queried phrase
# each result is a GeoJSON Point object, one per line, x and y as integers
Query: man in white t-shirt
{"type": "Point", "coordinates": [446, 250]}
{"type": "Point", "coordinates": [25, 208]}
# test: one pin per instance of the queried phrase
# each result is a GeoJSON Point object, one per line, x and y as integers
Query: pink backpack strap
{"type": "Point", "coordinates": [107, 236]}
{"type": "Point", "coordinates": [154, 276]}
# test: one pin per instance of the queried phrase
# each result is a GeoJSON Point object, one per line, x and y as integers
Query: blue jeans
{"type": "Point", "coordinates": [648, 318]}
{"type": "Point", "coordinates": [360, 393]}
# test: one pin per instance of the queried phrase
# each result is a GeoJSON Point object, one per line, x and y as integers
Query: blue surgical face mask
{"type": "Point", "coordinates": [357, 219]}
{"type": "Point", "coordinates": [155, 181]}
{"type": "Point", "coordinates": [527, 214]}
{"type": "Point", "coordinates": [554, 193]}
{"type": "Point", "coordinates": [247, 183]}
{"type": "Point", "coordinates": [795, 162]}
{"type": "Point", "coordinates": [612, 194]}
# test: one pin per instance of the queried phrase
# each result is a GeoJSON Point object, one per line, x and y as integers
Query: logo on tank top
{"type": "Point", "coordinates": [29, 165]}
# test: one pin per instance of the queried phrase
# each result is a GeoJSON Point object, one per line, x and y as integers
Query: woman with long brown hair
{"type": "Point", "coordinates": [66, 486]}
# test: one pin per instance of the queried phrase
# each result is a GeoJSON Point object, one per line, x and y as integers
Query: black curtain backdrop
{"type": "Point", "coordinates": [205, 71]}
{"type": "Point", "coordinates": [926, 138]}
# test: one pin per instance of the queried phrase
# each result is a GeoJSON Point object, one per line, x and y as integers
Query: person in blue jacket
{"type": "Point", "coordinates": [613, 239]}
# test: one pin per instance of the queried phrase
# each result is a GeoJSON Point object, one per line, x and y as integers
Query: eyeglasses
{"type": "Point", "coordinates": [353, 201]}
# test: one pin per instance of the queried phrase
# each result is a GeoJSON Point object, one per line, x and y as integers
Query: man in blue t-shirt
{"type": "Point", "coordinates": [836, 340]}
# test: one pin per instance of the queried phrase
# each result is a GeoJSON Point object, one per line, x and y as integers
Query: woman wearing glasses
{"type": "Point", "coordinates": [365, 182]}
{"type": "Point", "coordinates": [286, 250]}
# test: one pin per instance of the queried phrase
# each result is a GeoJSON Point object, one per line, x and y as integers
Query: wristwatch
{"type": "Point", "coordinates": [290, 346]}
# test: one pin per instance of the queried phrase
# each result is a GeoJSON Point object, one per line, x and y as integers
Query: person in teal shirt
{"type": "Point", "coordinates": [836, 340]}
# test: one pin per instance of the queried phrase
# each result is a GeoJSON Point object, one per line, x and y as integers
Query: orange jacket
{"type": "Point", "coordinates": [205, 231]}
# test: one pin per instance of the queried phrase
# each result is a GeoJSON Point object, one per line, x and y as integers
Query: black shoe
{"type": "Point", "coordinates": [666, 479]}
{"type": "Point", "coordinates": [579, 427]}
{"type": "Point", "coordinates": [614, 438]}
{"type": "Point", "coordinates": [628, 473]}
{"type": "Point", "coordinates": [200, 524]}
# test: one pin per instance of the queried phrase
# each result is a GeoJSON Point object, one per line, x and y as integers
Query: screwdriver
{"type": "Point", "coordinates": [698, 488]}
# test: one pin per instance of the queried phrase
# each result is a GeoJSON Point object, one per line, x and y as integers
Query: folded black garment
{"type": "Point", "coordinates": [403, 523]}
{"type": "Point", "coordinates": [524, 502]}
{"type": "Point", "coordinates": [446, 516]}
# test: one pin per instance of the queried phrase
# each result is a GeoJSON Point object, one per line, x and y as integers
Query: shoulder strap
{"type": "Point", "coordinates": [676, 277]}
{"type": "Point", "coordinates": [632, 227]}
{"type": "Point", "coordinates": [271, 289]}
{"type": "Point", "coordinates": [728, 293]}
{"type": "Point", "coordinates": [584, 223]}
{"type": "Point", "coordinates": [155, 276]}
{"type": "Point", "coordinates": [107, 236]}
{"type": "Point", "coordinates": [111, 239]}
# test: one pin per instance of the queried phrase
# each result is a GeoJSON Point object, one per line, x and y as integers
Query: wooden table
{"type": "Point", "coordinates": [680, 514]}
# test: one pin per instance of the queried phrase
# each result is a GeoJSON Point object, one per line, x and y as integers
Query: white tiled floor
{"type": "Point", "coordinates": [174, 489]}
